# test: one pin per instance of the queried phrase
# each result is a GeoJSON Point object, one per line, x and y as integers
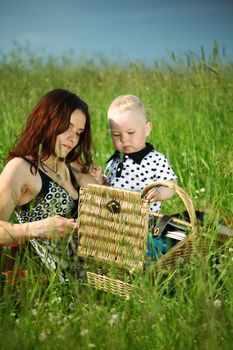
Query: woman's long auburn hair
{"type": "Point", "coordinates": [49, 118]}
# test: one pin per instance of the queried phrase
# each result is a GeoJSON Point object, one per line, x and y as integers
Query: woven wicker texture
{"type": "Point", "coordinates": [181, 253]}
{"type": "Point", "coordinates": [113, 229]}
{"type": "Point", "coordinates": [115, 286]}
{"type": "Point", "coordinates": [112, 226]}
{"type": "Point", "coordinates": [182, 194]}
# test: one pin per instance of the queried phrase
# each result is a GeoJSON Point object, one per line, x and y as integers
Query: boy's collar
{"type": "Point", "coordinates": [137, 157]}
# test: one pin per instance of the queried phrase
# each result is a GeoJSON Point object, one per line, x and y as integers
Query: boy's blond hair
{"type": "Point", "coordinates": [124, 103]}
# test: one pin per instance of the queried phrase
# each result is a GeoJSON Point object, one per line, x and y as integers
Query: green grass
{"type": "Point", "coordinates": [190, 103]}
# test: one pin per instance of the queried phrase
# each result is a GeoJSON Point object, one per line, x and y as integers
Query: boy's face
{"type": "Point", "coordinates": [129, 130]}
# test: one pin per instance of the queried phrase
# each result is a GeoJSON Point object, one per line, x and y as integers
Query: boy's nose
{"type": "Point", "coordinates": [123, 138]}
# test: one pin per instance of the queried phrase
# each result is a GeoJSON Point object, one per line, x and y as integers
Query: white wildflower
{"type": "Point", "coordinates": [42, 336]}
{"type": "Point", "coordinates": [202, 190]}
{"type": "Point", "coordinates": [84, 332]}
{"type": "Point", "coordinates": [56, 300]}
{"type": "Point", "coordinates": [113, 319]}
{"type": "Point", "coordinates": [34, 312]}
{"type": "Point", "coordinates": [162, 318]}
{"type": "Point", "coordinates": [217, 303]}
{"type": "Point", "coordinates": [36, 302]}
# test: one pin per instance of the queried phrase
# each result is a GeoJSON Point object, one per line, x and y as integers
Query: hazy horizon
{"type": "Point", "coordinates": [132, 30]}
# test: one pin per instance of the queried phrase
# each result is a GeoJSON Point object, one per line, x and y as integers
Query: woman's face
{"type": "Point", "coordinates": [69, 139]}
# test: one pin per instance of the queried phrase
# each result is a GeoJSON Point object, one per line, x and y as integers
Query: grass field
{"type": "Point", "coordinates": [190, 103]}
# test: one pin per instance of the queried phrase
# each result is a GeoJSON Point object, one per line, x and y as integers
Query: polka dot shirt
{"type": "Point", "coordinates": [134, 171]}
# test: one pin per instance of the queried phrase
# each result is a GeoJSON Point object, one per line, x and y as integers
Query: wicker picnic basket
{"type": "Point", "coordinates": [113, 230]}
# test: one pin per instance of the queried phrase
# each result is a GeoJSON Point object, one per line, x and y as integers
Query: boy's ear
{"type": "Point", "coordinates": [148, 128]}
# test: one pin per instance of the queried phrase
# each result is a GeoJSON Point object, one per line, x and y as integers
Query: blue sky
{"type": "Point", "coordinates": [127, 29]}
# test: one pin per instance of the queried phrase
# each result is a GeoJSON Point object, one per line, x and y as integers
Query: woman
{"type": "Point", "coordinates": [38, 183]}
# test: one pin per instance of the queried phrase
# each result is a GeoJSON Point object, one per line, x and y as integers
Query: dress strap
{"type": "Point", "coordinates": [30, 162]}
{"type": "Point", "coordinates": [72, 178]}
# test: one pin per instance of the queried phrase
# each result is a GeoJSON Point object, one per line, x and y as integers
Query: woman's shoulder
{"type": "Point", "coordinates": [17, 166]}
{"type": "Point", "coordinates": [17, 163]}
{"type": "Point", "coordinates": [18, 180]}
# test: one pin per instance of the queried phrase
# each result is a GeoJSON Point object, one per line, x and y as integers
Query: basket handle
{"type": "Point", "coordinates": [182, 194]}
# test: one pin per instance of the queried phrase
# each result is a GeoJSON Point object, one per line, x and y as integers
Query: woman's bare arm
{"type": "Point", "coordinates": [17, 186]}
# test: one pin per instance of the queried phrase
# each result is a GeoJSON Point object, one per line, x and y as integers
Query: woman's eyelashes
{"type": "Point", "coordinates": [78, 133]}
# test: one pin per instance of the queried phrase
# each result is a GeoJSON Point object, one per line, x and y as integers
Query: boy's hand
{"type": "Point", "coordinates": [153, 195]}
{"type": "Point", "coordinates": [161, 193]}
{"type": "Point", "coordinates": [96, 172]}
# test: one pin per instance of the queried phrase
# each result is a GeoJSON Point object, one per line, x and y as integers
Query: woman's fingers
{"type": "Point", "coordinates": [56, 227]}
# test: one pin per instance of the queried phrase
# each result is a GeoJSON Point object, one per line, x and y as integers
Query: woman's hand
{"type": "Point", "coordinates": [54, 228]}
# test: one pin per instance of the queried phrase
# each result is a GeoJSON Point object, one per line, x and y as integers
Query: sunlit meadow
{"type": "Point", "coordinates": [189, 100]}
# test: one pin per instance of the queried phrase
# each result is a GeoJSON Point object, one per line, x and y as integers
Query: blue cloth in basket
{"type": "Point", "coordinates": [156, 246]}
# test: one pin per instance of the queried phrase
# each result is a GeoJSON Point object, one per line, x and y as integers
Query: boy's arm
{"type": "Point", "coordinates": [83, 179]}
{"type": "Point", "coordinates": [99, 177]}
{"type": "Point", "coordinates": [160, 194]}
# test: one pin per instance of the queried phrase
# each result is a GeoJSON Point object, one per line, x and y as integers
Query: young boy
{"type": "Point", "coordinates": [135, 163]}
